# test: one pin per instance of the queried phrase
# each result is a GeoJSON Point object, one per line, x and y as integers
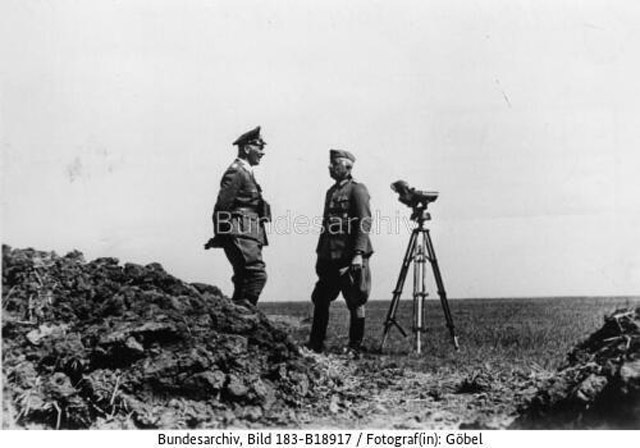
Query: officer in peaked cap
{"type": "Point", "coordinates": [252, 136]}
{"type": "Point", "coordinates": [239, 216]}
{"type": "Point", "coordinates": [343, 253]}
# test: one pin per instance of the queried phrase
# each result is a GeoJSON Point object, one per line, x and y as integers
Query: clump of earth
{"type": "Point", "coordinates": [599, 385]}
{"type": "Point", "coordinates": [100, 344]}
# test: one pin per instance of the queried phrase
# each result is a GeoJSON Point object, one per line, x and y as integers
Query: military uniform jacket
{"type": "Point", "coordinates": [240, 210]}
{"type": "Point", "coordinates": [346, 222]}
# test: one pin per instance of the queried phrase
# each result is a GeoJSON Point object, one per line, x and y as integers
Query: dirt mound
{"type": "Point", "coordinates": [98, 344]}
{"type": "Point", "coordinates": [599, 387]}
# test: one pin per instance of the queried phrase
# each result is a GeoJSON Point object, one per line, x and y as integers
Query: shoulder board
{"type": "Point", "coordinates": [235, 166]}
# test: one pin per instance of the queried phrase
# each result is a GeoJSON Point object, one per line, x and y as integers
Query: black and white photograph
{"type": "Point", "coordinates": [266, 215]}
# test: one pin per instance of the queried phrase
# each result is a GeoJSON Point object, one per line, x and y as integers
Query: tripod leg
{"type": "Point", "coordinates": [419, 294]}
{"type": "Point", "coordinates": [441, 291]}
{"type": "Point", "coordinates": [397, 292]}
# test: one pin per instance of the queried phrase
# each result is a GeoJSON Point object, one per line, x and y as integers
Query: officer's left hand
{"type": "Point", "coordinates": [356, 263]}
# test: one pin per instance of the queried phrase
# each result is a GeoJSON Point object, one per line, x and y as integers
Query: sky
{"type": "Point", "coordinates": [117, 118]}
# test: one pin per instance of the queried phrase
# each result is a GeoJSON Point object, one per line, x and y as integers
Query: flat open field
{"type": "Point", "coordinates": [507, 346]}
{"type": "Point", "coordinates": [500, 332]}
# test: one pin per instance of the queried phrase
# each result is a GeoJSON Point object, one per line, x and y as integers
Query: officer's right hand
{"type": "Point", "coordinates": [356, 263]}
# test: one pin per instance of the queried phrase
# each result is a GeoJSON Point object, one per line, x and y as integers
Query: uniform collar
{"type": "Point", "coordinates": [245, 164]}
{"type": "Point", "coordinates": [343, 182]}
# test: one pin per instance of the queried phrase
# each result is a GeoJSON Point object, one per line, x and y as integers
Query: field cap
{"type": "Point", "coordinates": [337, 153]}
{"type": "Point", "coordinates": [250, 137]}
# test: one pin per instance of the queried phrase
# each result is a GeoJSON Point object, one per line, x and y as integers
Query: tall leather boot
{"type": "Point", "coordinates": [356, 332]}
{"type": "Point", "coordinates": [318, 328]}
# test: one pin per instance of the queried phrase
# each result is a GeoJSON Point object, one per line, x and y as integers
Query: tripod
{"type": "Point", "coordinates": [419, 250]}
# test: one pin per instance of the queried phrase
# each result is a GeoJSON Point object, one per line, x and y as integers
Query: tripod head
{"type": "Point", "coordinates": [420, 215]}
{"type": "Point", "coordinates": [418, 200]}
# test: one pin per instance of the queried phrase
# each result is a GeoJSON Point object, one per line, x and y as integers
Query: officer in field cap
{"type": "Point", "coordinates": [343, 253]}
{"type": "Point", "coordinates": [239, 216]}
